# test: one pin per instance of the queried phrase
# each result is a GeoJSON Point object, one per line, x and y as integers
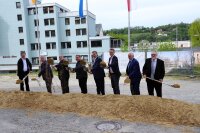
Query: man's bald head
{"type": "Point", "coordinates": [42, 58]}
{"type": "Point", "coordinates": [61, 58]}
{"type": "Point", "coordinates": [130, 56]}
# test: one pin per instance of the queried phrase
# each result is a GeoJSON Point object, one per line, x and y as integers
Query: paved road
{"type": "Point", "coordinates": [21, 121]}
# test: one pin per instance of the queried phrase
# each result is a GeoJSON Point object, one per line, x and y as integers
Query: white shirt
{"type": "Point", "coordinates": [153, 67]}
{"type": "Point", "coordinates": [25, 68]}
{"type": "Point", "coordinates": [111, 71]}
{"type": "Point", "coordinates": [93, 61]}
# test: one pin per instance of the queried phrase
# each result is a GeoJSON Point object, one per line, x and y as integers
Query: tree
{"type": "Point", "coordinates": [194, 33]}
{"type": "Point", "coordinates": [145, 46]}
{"type": "Point", "coordinates": [166, 46]}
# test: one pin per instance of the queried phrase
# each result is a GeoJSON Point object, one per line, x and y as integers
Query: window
{"type": "Point", "coordinates": [53, 33]}
{"type": "Point", "coordinates": [78, 32]}
{"type": "Point", "coordinates": [20, 29]}
{"type": "Point", "coordinates": [61, 10]}
{"type": "Point", "coordinates": [67, 21]}
{"type": "Point", "coordinates": [54, 45]}
{"type": "Point", "coordinates": [36, 21]}
{"type": "Point", "coordinates": [50, 33]}
{"type": "Point", "coordinates": [35, 60]}
{"type": "Point", "coordinates": [49, 21]}
{"type": "Point", "coordinates": [48, 9]}
{"type": "Point", "coordinates": [81, 44]}
{"type": "Point", "coordinates": [53, 57]}
{"type": "Point", "coordinates": [97, 43]}
{"type": "Point", "coordinates": [83, 20]}
{"type": "Point", "coordinates": [51, 10]}
{"type": "Point", "coordinates": [84, 32]}
{"type": "Point", "coordinates": [68, 58]}
{"type": "Point", "coordinates": [77, 20]}
{"type": "Point", "coordinates": [37, 34]}
{"type": "Point", "coordinates": [80, 20]}
{"type": "Point", "coordinates": [19, 17]}
{"type": "Point", "coordinates": [85, 57]}
{"type": "Point", "coordinates": [116, 43]}
{"type": "Point", "coordinates": [52, 21]}
{"type": "Point", "coordinates": [81, 32]}
{"type": "Point", "coordinates": [34, 46]}
{"type": "Point", "coordinates": [51, 45]}
{"type": "Point", "coordinates": [48, 46]}
{"type": "Point", "coordinates": [47, 33]}
{"type": "Point", "coordinates": [21, 41]}
{"type": "Point", "coordinates": [68, 33]}
{"type": "Point", "coordinates": [84, 44]}
{"type": "Point", "coordinates": [18, 5]}
{"type": "Point", "coordinates": [65, 45]}
{"type": "Point", "coordinates": [45, 10]}
{"type": "Point", "coordinates": [31, 11]}
{"type": "Point", "coordinates": [46, 22]}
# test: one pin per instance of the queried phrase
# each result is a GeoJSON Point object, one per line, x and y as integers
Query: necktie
{"type": "Point", "coordinates": [129, 64]}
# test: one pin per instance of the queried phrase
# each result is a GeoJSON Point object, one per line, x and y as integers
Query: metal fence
{"type": "Point", "coordinates": [176, 62]}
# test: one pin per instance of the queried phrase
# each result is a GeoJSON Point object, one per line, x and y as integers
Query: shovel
{"type": "Point", "coordinates": [19, 81]}
{"type": "Point", "coordinates": [36, 79]}
{"type": "Point", "coordinates": [171, 85]}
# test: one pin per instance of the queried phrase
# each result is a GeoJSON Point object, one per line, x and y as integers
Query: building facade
{"type": "Point", "coordinates": [56, 30]}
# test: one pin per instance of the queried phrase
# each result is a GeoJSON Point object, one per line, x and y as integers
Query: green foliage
{"type": "Point", "coordinates": [194, 32]}
{"type": "Point", "coordinates": [151, 34]}
{"type": "Point", "coordinates": [143, 45]}
{"type": "Point", "coordinates": [166, 46]}
{"type": "Point", "coordinates": [124, 38]}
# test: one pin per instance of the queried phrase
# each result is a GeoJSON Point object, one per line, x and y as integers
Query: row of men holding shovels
{"type": "Point", "coordinates": [153, 71]}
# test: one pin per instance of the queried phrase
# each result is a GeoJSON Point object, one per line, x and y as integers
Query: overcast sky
{"type": "Point", "coordinates": [113, 13]}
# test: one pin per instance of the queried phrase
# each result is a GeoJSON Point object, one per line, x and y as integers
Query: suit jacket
{"type": "Point", "coordinates": [97, 71]}
{"type": "Point", "coordinates": [63, 73]}
{"type": "Point", "coordinates": [159, 71]}
{"type": "Point", "coordinates": [114, 65]}
{"type": "Point", "coordinates": [20, 67]}
{"type": "Point", "coordinates": [45, 71]}
{"type": "Point", "coordinates": [80, 72]}
{"type": "Point", "coordinates": [133, 69]}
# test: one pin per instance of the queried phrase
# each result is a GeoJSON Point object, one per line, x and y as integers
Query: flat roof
{"type": "Point", "coordinates": [100, 37]}
{"type": "Point", "coordinates": [75, 13]}
{"type": "Point", "coordinates": [49, 4]}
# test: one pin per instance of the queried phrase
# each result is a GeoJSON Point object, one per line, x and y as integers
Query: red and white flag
{"type": "Point", "coordinates": [129, 5]}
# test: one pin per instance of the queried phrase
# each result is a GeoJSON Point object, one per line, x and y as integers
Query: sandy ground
{"type": "Point", "coordinates": [27, 121]}
{"type": "Point", "coordinates": [189, 91]}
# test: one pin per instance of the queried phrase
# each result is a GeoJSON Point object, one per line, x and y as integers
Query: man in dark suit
{"type": "Point", "coordinates": [98, 73]}
{"type": "Point", "coordinates": [24, 67]}
{"type": "Point", "coordinates": [81, 75]}
{"type": "Point", "coordinates": [46, 73]}
{"type": "Point", "coordinates": [114, 72]}
{"type": "Point", "coordinates": [134, 74]}
{"type": "Point", "coordinates": [63, 74]}
{"type": "Point", "coordinates": [154, 68]}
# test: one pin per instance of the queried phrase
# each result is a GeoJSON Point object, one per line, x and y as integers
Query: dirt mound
{"type": "Point", "coordinates": [130, 108]}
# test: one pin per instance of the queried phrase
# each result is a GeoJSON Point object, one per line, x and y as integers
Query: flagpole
{"type": "Point", "coordinates": [88, 38]}
{"type": "Point", "coordinates": [129, 32]}
{"type": "Point", "coordinates": [38, 34]}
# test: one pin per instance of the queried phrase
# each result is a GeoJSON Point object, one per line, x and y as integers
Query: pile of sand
{"type": "Point", "coordinates": [131, 108]}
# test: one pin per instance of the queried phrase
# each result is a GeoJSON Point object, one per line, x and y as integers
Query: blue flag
{"type": "Point", "coordinates": [81, 9]}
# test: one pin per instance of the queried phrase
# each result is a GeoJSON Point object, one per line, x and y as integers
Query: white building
{"type": "Point", "coordinates": [60, 32]}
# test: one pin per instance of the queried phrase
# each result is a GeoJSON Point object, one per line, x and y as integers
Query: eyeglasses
{"type": "Point", "coordinates": [153, 54]}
